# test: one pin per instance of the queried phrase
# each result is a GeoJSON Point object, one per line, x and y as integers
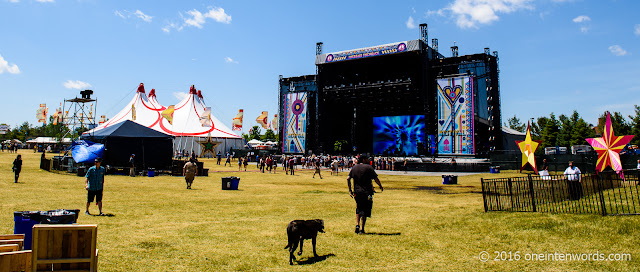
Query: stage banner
{"type": "Point", "coordinates": [295, 123]}
{"type": "Point", "coordinates": [380, 50]}
{"type": "Point", "coordinates": [455, 116]}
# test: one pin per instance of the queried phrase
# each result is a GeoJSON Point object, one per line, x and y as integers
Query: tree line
{"type": "Point", "coordinates": [572, 130]}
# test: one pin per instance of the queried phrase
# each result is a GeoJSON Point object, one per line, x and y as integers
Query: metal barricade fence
{"type": "Point", "coordinates": [606, 193]}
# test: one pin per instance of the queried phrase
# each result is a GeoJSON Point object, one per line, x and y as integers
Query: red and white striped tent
{"type": "Point", "coordinates": [192, 121]}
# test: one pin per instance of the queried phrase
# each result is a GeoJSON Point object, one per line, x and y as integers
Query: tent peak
{"type": "Point", "coordinates": [141, 88]}
{"type": "Point", "coordinates": [152, 92]}
{"type": "Point", "coordinates": [192, 90]}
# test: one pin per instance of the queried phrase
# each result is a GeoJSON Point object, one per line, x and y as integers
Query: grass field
{"type": "Point", "coordinates": [418, 224]}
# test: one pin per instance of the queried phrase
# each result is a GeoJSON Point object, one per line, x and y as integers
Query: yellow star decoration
{"type": "Point", "coordinates": [528, 148]}
{"type": "Point", "coordinates": [207, 146]}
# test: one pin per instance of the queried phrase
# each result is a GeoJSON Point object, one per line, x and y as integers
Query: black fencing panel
{"type": "Point", "coordinates": [607, 193]}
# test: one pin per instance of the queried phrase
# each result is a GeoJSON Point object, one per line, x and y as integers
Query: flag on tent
{"type": "Point", "coordinates": [205, 119]}
{"type": "Point", "coordinates": [237, 121]}
{"type": "Point", "coordinates": [262, 120]}
{"type": "Point", "coordinates": [41, 114]}
{"type": "Point", "coordinates": [168, 114]}
{"type": "Point", "coordinates": [102, 119]}
{"type": "Point", "coordinates": [274, 123]}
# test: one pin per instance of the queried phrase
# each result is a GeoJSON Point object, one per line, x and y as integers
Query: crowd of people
{"type": "Point", "coordinates": [10, 147]}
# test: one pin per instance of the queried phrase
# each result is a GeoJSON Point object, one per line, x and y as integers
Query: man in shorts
{"type": "Point", "coordinates": [94, 180]}
{"type": "Point", "coordinates": [189, 172]}
{"type": "Point", "coordinates": [362, 174]}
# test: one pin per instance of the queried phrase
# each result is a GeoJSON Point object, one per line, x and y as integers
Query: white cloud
{"type": "Point", "coordinates": [230, 60]}
{"type": "Point", "coordinates": [410, 23]}
{"type": "Point", "coordinates": [197, 18]}
{"type": "Point", "coordinates": [584, 29]}
{"type": "Point", "coordinates": [14, 1]}
{"type": "Point", "coordinates": [637, 30]}
{"type": "Point", "coordinates": [9, 68]}
{"type": "Point", "coordinates": [78, 85]}
{"type": "Point", "coordinates": [617, 50]}
{"type": "Point", "coordinates": [168, 27]}
{"type": "Point", "coordinates": [180, 96]}
{"type": "Point", "coordinates": [119, 14]}
{"type": "Point", "coordinates": [471, 13]}
{"type": "Point", "coordinates": [143, 16]}
{"type": "Point", "coordinates": [125, 14]}
{"type": "Point", "coordinates": [581, 19]}
{"type": "Point", "coordinates": [45, 1]}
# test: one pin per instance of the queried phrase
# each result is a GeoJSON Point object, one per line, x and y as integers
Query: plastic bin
{"type": "Point", "coordinates": [151, 173]}
{"type": "Point", "coordinates": [230, 183]}
{"type": "Point", "coordinates": [494, 169]}
{"type": "Point", "coordinates": [25, 220]}
{"type": "Point", "coordinates": [82, 170]}
{"type": "Point", "coordinates": [449, 179]}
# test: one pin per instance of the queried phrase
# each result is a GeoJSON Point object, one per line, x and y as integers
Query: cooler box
{"type": "Point", "coordinates": [25, 220]}
{"type": "Point", "coordinates": [449, 179]}
{"type": "Point", "coordinates": [230, 183]}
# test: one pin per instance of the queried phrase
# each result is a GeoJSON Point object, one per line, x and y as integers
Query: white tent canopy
{"type": "Point", "coordinates": [191, 123]}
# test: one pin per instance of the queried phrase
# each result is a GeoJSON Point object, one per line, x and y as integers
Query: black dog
{"type": "Point", "coordinates": [298, 230]}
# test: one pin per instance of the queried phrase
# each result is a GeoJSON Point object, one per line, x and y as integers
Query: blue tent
{"type": "Point", "coordinates": [86, 151]}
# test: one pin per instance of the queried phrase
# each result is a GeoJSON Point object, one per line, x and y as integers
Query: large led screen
{"type": "Point", "coordinates": [398, 135]}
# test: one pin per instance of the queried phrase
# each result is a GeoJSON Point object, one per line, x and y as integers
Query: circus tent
{"type": "Point", "coordinates": [190, 121]}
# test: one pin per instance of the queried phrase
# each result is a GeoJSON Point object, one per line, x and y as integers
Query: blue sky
{"type": "Point", "coordinates": [555, 55]}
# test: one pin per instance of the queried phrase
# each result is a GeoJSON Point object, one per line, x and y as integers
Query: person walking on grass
{"type": "Point", "coordinates": [189, 172]}
{"type": "Point", "coordinates": [239, 164]}
{"type": "Point", "coordinates": [292, 165]}
{"type": "Point", "coordinates": [274, 164]}
{"type": "Point", "coordinates": [317, 163]}
{"type": "Point", "coordinates": [17, 167]}
{"type": "Point", "coordinates": [245, 162]}
{"type": "Point", "coordinates": [93, 183]}
{"type": "Point", "coordinates": [132, 165]}
{"type": "Point", "coordinates": [362, 174]}
{"type": "Point", "coordinates": [228, 160]}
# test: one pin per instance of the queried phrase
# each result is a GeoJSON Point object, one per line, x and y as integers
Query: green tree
{"type": "Point", "coordinates": [549, 133]}
{"type": "Point", "coordinates": [254, 133]}
{"type": "Point", "coordinates": [564, 131]}
{"type": "Point", "coordinates": [537, 126]}
{"type": "Point", "coordinates": [269, 135]}
{"type": "Point", "coordinates": [635, 125]}
{"type": "Point", "coordinates": [619, 124]}
{"type": "Point", "coordinates": [515, 124]}
{"type": "Point", "coordinates": [581, 131]}
{"type": "Point", "coordinates": [246, 137]}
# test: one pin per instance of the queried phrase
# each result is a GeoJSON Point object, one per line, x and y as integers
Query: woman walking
{"type": "Point", "coordinates": [17, 166]}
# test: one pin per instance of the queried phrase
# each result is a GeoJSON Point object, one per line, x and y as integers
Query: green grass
{"type": "Point", "coordinates": [420, 224]}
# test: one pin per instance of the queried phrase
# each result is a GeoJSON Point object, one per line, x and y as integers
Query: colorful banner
{"type": "Point", "coordinates": [274, 123]}
{"type": "Point", "coordinates": [237, 121]}
{"type": "Point", "coordinates": [367, 52]}
{"type": "Point", "coordinates": [41, 113]}
{"type": "Point", "coordinates": [455, 116]}
{"type": "Point", "coordinates": [295, 123]}
{"type": "Point", "coordinates": [262, 120]}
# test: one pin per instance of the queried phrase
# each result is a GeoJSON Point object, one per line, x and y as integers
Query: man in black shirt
{"type": "Point", "coordinates": [362, 174]}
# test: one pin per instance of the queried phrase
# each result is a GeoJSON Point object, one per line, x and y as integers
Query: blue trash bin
{"type": "Point", "coordinates": [151, 173]}
{"type": "Point", "coordinates": [449, 179]}
{"type": "Point", "coordinates": [25, 220]}
{"type": "Point", "coordinates": [230, 183]}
